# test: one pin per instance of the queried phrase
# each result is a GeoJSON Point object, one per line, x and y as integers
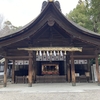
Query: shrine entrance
{"type": "Point", "coordinates": [50, 69]}
{"type": "Point", "coordinates": [53, 63]}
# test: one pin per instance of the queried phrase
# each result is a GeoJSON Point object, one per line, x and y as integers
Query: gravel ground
{"type": "Point", "coordinates": [88, 95]}
{"type": "Point", "coordinates": [39, 92]}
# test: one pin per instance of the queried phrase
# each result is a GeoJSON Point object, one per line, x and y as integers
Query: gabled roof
{"type": "Point", "coordinates": [51, 10]}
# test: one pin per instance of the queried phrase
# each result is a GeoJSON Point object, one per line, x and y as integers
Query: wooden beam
{"type": "Point", "coordinates": [73, 70]}
{"type": "Point", "coordinates": [18, 57]}
{"type": "Point", "coordinates": [89, 49]}
{"type": "Point", "coordinates": [30, 69]}
{"type": "Point", "coordinates": [83, 56]}
{"type": "Point", "coordinates": [13, 71]}
{"type": "Point", "coordinates": [5, 72]}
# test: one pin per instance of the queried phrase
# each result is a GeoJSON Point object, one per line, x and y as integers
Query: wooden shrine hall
{"type": "Point", "coordinates": [53, 49]}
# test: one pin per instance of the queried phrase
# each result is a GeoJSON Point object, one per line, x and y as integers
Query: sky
{"type": "Point", "coordinates": [21, 12]}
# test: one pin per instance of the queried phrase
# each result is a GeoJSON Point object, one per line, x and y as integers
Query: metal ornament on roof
{"type": "Point", "coordinates": [50, 0]}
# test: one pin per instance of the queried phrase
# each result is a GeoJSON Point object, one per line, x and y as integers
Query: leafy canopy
{"type": "Point", "coordinates": [86, 14]}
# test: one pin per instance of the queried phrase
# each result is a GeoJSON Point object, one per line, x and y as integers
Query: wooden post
{"type": "Point", "coordinates": [89, 68]}
{"type": "Point", "coordinates": [5, 72]}
{"type": "Point", "coordinates": [97, 69]}
{"type": "Point", "coordinates": [30, 69]}
{"type": "Point", "coordinates": [13, 72]}
{"type": "Point", "coordinates": [34, 66]}
{"type": "Point", "coordinates": [73, 70]}
{"type": "Point", "coordinates": [65, 70]}
{"type": "Point", "coordinates": [68, 66]}
{"type": "Point", "coordinates": [88, 65]}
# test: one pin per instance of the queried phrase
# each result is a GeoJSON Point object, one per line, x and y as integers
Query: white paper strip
{"type": "Point", "coordinates": [40, 53]}
{"type": "Point", "coordinates": [47, 53]}
{"type": "Point", "coordinates": [61, 53]}
{"type": "Point", "coordinates": [54, 53]}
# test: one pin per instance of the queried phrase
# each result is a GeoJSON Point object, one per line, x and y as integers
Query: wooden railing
{"type": "Point", "coordinates": [51, 79]}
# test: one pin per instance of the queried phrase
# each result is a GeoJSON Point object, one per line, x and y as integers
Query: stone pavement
{"type": "Point", "coordinates": [51, 91]}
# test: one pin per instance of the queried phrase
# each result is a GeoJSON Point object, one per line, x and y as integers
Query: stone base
{"type": "Point", "coordinates": [4, 85]}
{"type": "Point", "coordinates": [73, 84]}
{"type": "Point", "coordinates": [30, 84]}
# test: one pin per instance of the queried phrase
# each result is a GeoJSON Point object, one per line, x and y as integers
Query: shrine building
{"type": "Point", "coordinates": [50, 49]}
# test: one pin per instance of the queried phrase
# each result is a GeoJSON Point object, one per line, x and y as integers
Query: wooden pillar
{"type": "Point", "coordinates": [34, 66]}
{"type": "Point", "coordinates": [65, 70]}
{"type": "Point", "coordinates": [89, 68]}
{"type": "Point", "coordinates": [68, 66]}
{"type": "Point", "coordinates": [5, 72]}
{"type": "Point", "coordinates": [97, 69]}
{"type": "Point", "coordinates": [30, 68]}
{"type": "Point", "coordinates": [88, 65]}
{"type": "Point", "coordinates": [13, 71]}
{"type": "Point", "coordinates": [73, 70]}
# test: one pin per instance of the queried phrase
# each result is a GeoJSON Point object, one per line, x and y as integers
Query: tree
{"type": "Point", "coordinates": [8, 28]}
{"type": "Point", "coordinates": [1, 20]}
{"type": "Point", "coordinates": [95, 14]}
{"type": "Point", "coordinates": [87, 14]}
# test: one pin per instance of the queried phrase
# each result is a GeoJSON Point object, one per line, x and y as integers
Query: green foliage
{"type": "Point", "coordinates": [8, 28]}
{"type": "Point", "coordinates": [87, 14]}
{"type": "Point", "coordinates": [11, 27]}
{"type": "Point", "coordinates": [95, 13]}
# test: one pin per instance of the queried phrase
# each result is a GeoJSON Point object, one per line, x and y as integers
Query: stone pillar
{"type": "Point", "coordinates": [30, 70]}
{"type": "Point", "coordinates": [5, 72]}
{"type": "Point", "coordinates": [73, 70]}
